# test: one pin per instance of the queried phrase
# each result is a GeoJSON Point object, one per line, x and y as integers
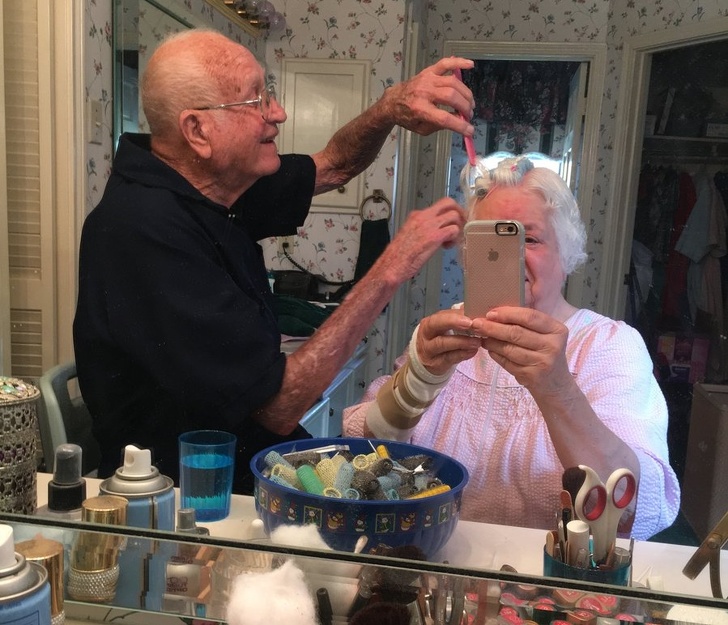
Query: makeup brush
{"type": "Point", "coordinates": [567, 511]}
{"type": "Point", "coordinates": [571, 481]}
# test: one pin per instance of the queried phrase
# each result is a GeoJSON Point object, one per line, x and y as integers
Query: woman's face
{"type": "Point", "coordinates": [544, 276]}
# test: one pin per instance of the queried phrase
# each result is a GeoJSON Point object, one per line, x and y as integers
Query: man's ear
{"type": "Point", "coordinates": [195, 128]}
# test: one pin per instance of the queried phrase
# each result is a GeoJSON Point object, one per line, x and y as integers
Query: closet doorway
{"type": "Point", "coordinates": [678, 274]}
{"type": "Point", "coordinates": [665, 263]}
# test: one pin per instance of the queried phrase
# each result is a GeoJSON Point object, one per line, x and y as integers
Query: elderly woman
{"type": "Point", "coordinates": [522, 393]}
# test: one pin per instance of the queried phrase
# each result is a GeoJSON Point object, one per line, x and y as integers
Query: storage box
{"type": "Point", "coordinates": [716, 129]}
{"type": "Point", "coordinates": [705, 482]}
{"type": "Point", "coordinates": [687, 356]}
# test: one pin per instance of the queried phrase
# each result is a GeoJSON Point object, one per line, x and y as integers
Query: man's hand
{"type": "Point", "coordinates": [424, 232]}
{"type": "Point", "coordinates": [415, 104]}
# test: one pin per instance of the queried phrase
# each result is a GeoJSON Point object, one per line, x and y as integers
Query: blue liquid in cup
{"type": "Point", "coordinates": [206, 482]}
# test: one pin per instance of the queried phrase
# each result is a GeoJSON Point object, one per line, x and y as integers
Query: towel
{"type": "Point", "coordinates": [374, 238]}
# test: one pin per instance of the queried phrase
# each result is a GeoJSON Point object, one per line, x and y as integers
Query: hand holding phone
{"type": "Point", "coordinates": [494, 265]}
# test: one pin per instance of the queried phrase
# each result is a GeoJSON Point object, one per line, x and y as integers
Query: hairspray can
{"type": "Point", "coordinates": [151, 505]}
{"type": "Point", "coordinates": [25, 594]}
{"type": "Point", "coordinates": [49, 554]}
{"type": "Point", "coordinates": [94, 571]}
{"type": "Point", "coordinates": [150, 494]}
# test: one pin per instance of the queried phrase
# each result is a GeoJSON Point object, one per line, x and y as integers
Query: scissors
{"type": "Point", "coordinates": [601, 506]}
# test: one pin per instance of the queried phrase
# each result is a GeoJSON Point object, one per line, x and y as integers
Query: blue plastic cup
{"type": "Point", "coordinates": [206, 466]}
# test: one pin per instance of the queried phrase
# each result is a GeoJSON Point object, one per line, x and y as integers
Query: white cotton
{"type": "Point", "coordinates": [308, 537]}
{"type": "Point", "coordinates": [277, 596]}
{"type": "Point", "coordinates": [305, 536]}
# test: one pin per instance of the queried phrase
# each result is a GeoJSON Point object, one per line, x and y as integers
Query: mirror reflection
{"type": "Point", "coordinates": [131, 66]}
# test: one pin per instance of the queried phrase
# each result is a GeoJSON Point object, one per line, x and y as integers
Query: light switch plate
{"type": "Point", "coordinates": [95, 121]}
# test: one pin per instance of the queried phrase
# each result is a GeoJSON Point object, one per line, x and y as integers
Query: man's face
{"type": "Point", "coordinates": [243, 136]}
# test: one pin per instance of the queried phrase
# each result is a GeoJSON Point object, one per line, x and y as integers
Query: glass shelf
{"type": "Point", "coordinates": [192, 576]}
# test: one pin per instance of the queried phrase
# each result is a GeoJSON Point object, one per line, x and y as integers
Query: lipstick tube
{"type": "Point", "coordinates": [94, 571]}
{"type": "Point", "coordinates": [49, 554]}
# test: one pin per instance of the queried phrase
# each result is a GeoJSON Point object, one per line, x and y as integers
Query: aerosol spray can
{"type": "Point", "coordinates": [50, 555]}
{"type": "Point", "coordinates": [25, 594]}
{"type": "Point", "coordinates": [142, 562]}
{"type": "Point", "coordinates": [150, 494]}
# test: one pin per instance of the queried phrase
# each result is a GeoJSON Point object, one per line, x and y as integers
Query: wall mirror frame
{"type": "Point", "coordinates": [631, 107]}
{"type": "Point", "coordinates": [593, 54]}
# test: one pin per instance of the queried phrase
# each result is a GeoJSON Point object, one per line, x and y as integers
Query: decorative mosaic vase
{"type": "Point", "coordinates": [18, 418]}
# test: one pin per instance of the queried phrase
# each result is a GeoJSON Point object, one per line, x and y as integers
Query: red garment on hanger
{"type": "Point", "coordinates": [677, 264]}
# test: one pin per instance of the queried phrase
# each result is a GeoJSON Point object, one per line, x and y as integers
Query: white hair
{"type": "Point", "coordinates": [502, 169]}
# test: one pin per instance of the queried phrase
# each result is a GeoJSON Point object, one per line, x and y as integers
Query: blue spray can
{"type": "Point", "coordinates": [25, 594]}
{"type": "Point", "coordinates": [151, 505]}
{"type": "Point", "coordinates": [150, 494]}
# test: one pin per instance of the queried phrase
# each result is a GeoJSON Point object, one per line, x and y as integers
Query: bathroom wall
{"type": "Point", "coordinates": [371, 29]}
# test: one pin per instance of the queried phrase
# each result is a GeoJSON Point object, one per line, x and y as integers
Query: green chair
{"type": "Point", "coordinates": [65, 419]}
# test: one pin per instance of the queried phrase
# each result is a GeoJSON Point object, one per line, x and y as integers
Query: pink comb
{"type": "Point", "coordinates": [469, 145]}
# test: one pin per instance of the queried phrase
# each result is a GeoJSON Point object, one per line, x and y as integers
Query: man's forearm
{"type": "Point", "coordinates": [313, 366]}
{"type": "Point", "coordinates": [352, 149]}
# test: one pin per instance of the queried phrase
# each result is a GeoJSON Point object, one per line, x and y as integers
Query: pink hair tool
{"type": "Point", "coordinates": [469, 145]}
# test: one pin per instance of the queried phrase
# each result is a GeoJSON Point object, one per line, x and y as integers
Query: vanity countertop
{"type": "Point", "coordinates": [487, 546]}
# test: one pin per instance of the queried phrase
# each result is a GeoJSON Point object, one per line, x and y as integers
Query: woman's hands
{"type": "Point", "coordinates": [443, 340]}
{"type": "Point", "coordinates": [530, 345]}
{"type": "Point", "coordinates": [527, 343]}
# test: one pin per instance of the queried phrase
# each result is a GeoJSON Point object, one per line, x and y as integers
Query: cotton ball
{"type": "Point", "coordinates": [306, 536]}
{"type": "Point", "coordinates": [277, 596]}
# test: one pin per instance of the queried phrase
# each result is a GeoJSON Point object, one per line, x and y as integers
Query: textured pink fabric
{"type": "Point", "coordinates": [485, 419]}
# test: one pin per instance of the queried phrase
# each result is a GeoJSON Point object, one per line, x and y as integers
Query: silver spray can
{"type": "Point", "coordinates": [150, 494]}
{"type": "Point", "coordinates": [25, 594]}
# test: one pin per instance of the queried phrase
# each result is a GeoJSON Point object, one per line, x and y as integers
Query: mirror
{"type": "Point", "coordinates": [562, 52]}
{"type": "Point", "coordinates": [139, 25]}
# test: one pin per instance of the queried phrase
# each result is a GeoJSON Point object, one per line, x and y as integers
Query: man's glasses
{"type": "Point", "coordinates": [264, 100]}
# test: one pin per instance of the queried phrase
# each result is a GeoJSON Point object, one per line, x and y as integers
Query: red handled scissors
{"type": "Point", "coordinates": [601, 506]}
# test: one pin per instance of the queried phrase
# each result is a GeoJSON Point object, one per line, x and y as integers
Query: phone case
{"type": "Point", "coordinates": [494, 267]}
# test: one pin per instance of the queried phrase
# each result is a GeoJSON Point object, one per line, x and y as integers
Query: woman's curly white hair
{"type": "Point", "coordinates": [502, 169]}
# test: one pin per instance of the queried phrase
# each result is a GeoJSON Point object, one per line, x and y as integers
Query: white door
{"type": "Point", "coordinates": [43, 142]}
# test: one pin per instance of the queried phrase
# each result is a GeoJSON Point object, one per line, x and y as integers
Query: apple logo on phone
{"type": "Point", "coordinates": [492, 255]}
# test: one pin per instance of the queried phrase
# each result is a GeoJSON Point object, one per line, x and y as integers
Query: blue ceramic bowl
{"type": "Point", "coordinates": [427, 522]}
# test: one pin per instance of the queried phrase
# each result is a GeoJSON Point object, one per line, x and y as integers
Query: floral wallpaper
{"type": "Point", "coordinates": [374, 29]}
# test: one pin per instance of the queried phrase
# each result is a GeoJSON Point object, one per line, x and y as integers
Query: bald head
{"type": "Point", "coordinates": [192, 69]}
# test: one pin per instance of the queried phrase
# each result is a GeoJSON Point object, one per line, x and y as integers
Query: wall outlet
{"type": "Point", "coordinates": [285, 243]}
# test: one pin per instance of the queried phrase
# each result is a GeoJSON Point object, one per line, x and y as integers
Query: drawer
{"type": "Point", "coordinates": [316, 419]}
{"type": "Point", "coordinates": [358, 369]}
{"type": "Point", "coordinates": [339, 395]}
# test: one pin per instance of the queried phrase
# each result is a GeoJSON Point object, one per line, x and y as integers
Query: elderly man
{"type": "Point", "coordinates": [174, 328]}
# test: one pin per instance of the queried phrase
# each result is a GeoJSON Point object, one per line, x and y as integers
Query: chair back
{"type": "Point", "coordinates": [65, 419]}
